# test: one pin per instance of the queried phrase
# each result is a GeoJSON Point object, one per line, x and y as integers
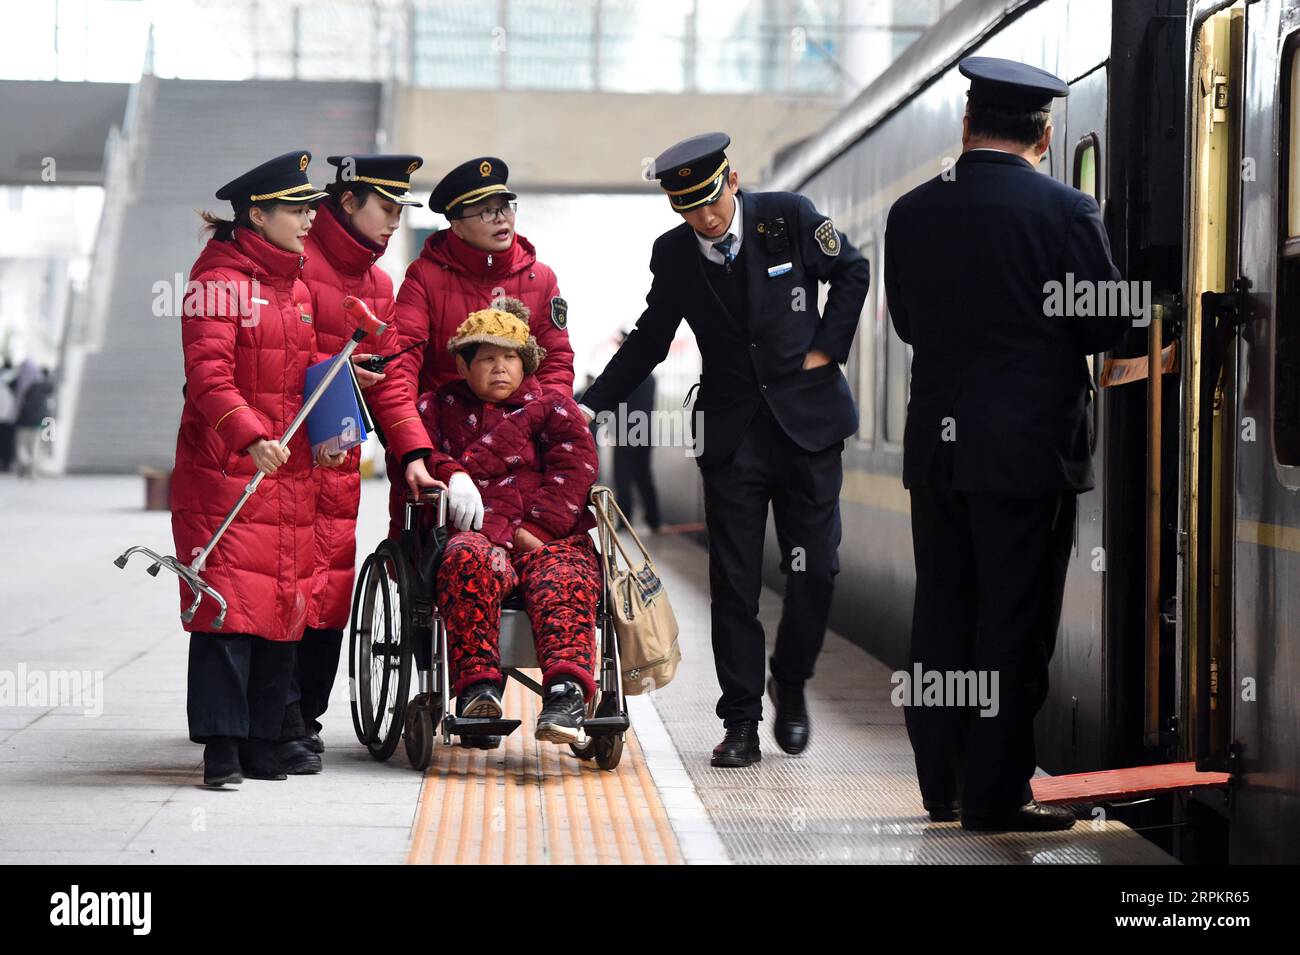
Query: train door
{"type": "Point", "coordinates": [1072, 727]}
{"type": "Point", "coordinates": [1215, 296]}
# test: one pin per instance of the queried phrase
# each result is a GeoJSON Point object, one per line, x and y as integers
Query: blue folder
{"type": "Point", "coordinates": [340, 419]}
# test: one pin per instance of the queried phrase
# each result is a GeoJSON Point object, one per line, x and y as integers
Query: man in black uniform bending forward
{"type": "Point", "coordinates": [773, 411]}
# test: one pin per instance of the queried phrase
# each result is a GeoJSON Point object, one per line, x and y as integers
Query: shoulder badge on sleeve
{"type": "Point", "coordinates": [560, 312]}
{"type": "Point", "coordinates": [827, 238]}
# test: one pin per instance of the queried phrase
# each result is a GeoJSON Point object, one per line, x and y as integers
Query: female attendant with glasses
{"type": "Point", "coordinates": [463, 269]}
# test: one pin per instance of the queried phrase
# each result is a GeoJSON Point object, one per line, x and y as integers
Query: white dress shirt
{"type": "Point", "coordinates": [736, 230]}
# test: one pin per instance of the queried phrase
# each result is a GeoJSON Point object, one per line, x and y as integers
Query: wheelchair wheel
{"type": "Point", "coordinates": [379, 664]}
{"type": "Point", "coordinates": [609, 750]}
{"type": "Point", "coordinates": [422, 716]}
{"type": "Point", "coordinates": [586, 751]}
{"type": "Point", "coordinates": [360, 723]}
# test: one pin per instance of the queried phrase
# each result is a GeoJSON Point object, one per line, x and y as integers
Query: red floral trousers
{"type": "Point", "coordinates": [559, 583]}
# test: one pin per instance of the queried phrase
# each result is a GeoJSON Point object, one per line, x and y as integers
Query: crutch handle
{"type": "Point", "coordinates": [366, 321]}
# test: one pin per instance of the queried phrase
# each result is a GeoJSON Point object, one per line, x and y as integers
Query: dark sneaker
{"type": "Point", "coordinates": [563, 711]}
{"type": "Point", "coordinates": [481, 701]}
{"type": "Point", "coordinates": [296, 757]}
{"type": "Point", "coordinates": [221, 762]}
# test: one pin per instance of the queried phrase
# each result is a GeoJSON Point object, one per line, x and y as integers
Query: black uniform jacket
{"type": "Point", "coordinates": [758, 356]}
{"type": "Point", "coordinates": [968, 260]}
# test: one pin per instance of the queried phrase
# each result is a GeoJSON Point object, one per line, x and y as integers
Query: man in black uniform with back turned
{"type": "Point", "coordinates": [997, 440]}
{"type": "Point", "coordinates": [770, 419]}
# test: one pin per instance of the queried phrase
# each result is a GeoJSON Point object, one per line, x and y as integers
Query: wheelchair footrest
{"type": "Point", "coordinates": [470, 726]}
{"type": "Point", "coordinates": [605, 725]}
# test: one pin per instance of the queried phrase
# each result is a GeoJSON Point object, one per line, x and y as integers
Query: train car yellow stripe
{"type": "Point", "coordinates": [1275, 536]}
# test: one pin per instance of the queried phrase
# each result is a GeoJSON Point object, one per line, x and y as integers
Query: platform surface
{"type": "Point", "coordinates": [114, 779]}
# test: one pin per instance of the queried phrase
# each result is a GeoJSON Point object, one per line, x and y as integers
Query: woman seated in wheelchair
{"type": "Point", "coordinates": [518, 465]}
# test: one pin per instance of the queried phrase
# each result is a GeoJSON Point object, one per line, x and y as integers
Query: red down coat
{"type": "Point", "coordinates": [248, 338]}
{"type": "Point", "coordinates": [532, 457]}
{"type": "Point", "coordinates": [450, 279]}
{"type": "Point", "coordinates": [340, 264]}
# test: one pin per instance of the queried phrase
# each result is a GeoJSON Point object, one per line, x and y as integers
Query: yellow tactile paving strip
{"type": "Point", "coordinates": [531, 802]}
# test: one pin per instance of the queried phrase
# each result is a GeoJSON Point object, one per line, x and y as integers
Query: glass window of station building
{"type": "Point", "coordinates": [798, 47]}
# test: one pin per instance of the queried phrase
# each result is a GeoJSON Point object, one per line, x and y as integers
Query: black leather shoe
{"type": "Point", "coordinates": [739, 746]}
{"type": "Point", "coordinates": [221, 762]}
{"type": "Point", "coordinates": [315, 743]}
{"type": "Point", "coordinates": [792, 727]}
{"type": "Point", "coordinates": [258, 760]}
{"type": "Point", "coordinates": [1031, 817]}
{"type": "Point", "coordinates": [297, 758]}
{"type": "Point", "coordinates": [944, 811]}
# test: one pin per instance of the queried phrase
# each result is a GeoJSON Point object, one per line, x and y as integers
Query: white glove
{"type": "Point", "coordinates": [464, 504]}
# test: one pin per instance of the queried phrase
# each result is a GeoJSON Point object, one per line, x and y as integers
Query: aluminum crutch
{"type": "Point", "coordinates": [367, 324]}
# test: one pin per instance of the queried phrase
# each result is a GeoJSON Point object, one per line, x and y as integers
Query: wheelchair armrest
{"type": "Point", "coordinates": [435, 496]}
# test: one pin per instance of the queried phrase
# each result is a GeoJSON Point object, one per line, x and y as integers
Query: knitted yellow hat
{"type": "Point", "coordinates": [504, 323]}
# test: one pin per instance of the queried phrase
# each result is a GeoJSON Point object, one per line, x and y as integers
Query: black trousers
{"type": "Point", "coordinates": [803, 489]}
{"type": "Point", "coordinates": [8, 442]}
{"type": "Point", "coordinates": [990, 576]}
{"type": "Point", "coordinates": [315, 667]}
{"type": "Point", "coordinates": [238, 685]}
{"type": "Point", "coordinates": [632, 469]}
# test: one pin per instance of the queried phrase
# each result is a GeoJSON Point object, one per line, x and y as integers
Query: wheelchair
{"type": "Point", "coordinates": [396, 627]}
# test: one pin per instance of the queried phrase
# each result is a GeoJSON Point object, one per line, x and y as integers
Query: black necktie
{"type": "Point", "coordinates": [723, 246]}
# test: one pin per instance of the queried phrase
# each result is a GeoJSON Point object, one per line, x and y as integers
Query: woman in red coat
{"type": "Point", "coordinates": [350, 233]}
{"type": "Point", "coordinates": [463, 269]}
{"type": "Point", "coordinates": [248, 338]}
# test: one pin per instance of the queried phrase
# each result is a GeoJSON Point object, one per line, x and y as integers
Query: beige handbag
{"type": "Point", "coordinates": [643, 617]}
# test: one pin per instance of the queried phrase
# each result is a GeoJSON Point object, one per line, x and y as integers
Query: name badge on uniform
{"type": "Point", "coordinates": [781, 269]}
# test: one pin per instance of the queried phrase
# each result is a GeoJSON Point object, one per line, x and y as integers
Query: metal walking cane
{"type": "Point", "coordinates": [367, 324]}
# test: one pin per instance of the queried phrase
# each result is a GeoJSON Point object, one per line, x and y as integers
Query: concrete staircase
{"type": "Point", "coordinates": [192, 137]}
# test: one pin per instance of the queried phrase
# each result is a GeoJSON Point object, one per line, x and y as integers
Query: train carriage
{"type": "Point", "coordinates": [1177, 639]}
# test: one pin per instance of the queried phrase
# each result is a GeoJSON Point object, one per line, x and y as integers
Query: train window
{"type": "Point", "coordinates": [1286, 409]}
{"type": "Point", "coordinates": [1085, 166]}
{"type": "Point", "coordinates": [1293, 159]}
{"type": "Point", "coordinates": [1085, 180]}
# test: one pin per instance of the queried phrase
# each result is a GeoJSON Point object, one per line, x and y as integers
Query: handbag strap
{"type": "Point", "coordinates": [626, 523]}
{"type": "Point", "coordinates": [603, 516]}
{"type": "Point", "coordinates": [610, 555]}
